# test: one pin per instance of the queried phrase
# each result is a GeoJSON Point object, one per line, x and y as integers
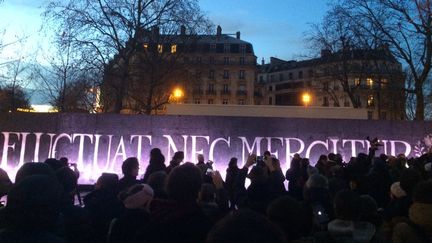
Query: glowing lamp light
{"type": "Point", "coordinates": [306, 99]}
{"type": "Point", "coordinates": [178, 93]}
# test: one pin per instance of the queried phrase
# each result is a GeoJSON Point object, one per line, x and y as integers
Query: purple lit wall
{"type": "Point", "coordinates": [99, 143]}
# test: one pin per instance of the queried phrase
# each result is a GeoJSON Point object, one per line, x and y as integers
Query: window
{"type": "Point", "coordinates": [369, 82]}
{"type": "Point", "coordinates": [242, 74]}
{"type": "Point", "coordinates": [225, 89]}
{"type": "Point", "coordinates": [270, 88]}
{"type": "Point", "coordinates": [160, 48]}
{"type": "Point", "coordinates": [211, 74]}
{"type": "Point", "coordinates": [270, 100]}
{"type": "Point", "coordinates": [145, 46]}
{"type": "Point", "coordinates": [271, 78]}
{"type": "Point", "coordinates": [241, 102]}
{"type": "Point", "coordinates": [384, 115]}
{"type": "Point", "coordinates": [198, 60]}
{"type": "Point", "coordinates": [281, 76]}
{"type": "Point", "coordinates": [261, 79]}
{"type": "Point", "coordinates": [226, 74]}
{"type": "Point", "coordinates": [242, 48]}
{"type": "Point", "coordinates": [226, 60]}
{"type": "Point", "coordinates": [370, 101]}
{"type": "Point", "coordinates": [225, 101]}
{"type": "Point", "coordinates": [211, 88]}
{"type": "Point", "coordinates": [212, 47]}
{"type": "Point", "coordinates": [226, 48]}
{"type": "Point", "coordinates": [357, 82]}
{"type": "Point", "coordinates": [242, 60]}
{"type": "Point", "coordinates": [211, 60]}
{"type": "Point", "coordinates": [210, 101]}
{"type": "Point", "coordinates": [384, 83]}
{"type": "Point", "coordinates": [311, 73]}
{"type": "Point", "coordinates": [197, 101]}
{"type": "Point", "coordinates": [300, 74]}
{"type": "Point", "coordinates": [290, 75]}
{"type": "Point", "coordinates": [173, 48]}
{"type": "Point", "coordinates": [198, 74]}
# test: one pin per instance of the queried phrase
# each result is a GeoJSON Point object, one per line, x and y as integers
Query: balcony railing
{"type": "Point", "coordinates": [210, 92]}
{"type": "Point", "coordinates": [225, 92]}
{"type": "Point", "coordinates": [241, 92]}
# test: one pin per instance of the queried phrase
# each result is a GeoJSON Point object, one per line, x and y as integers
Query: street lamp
{"type": "Point", "coordinates": [177, 95]}
{"type": "Point", "coordinates": [306, 98]}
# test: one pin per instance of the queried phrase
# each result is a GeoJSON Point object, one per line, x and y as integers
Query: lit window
{"type": "Point", "coordinates": [370, 101]}
{"type": "Point", "coordinates": [145, 46]}
{"type": "Point", "coordinates": [369, 82]}
{"type": "Point", "coordinates": [357, 82]}
{"type": "Point", "coordinates": [173, 48]}
{"type": "Point", "coordinates": [160, 48]}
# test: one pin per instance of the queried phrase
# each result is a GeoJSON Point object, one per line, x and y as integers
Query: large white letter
{"type": "Point", "coordinates": [353, 145]}
{"type": "Point", "coordinates": [62, 135]}
{"type": "Point", "coordinates": [314, 143]}
{"type": "Point", "coordinates": [246, 146]}
{"type": "Point", "coordinates": [81, 137]}
{"type": "Point", "coordinates": [194, 150]}
{"type": "Point", "coordinates": [139, 146]}
{"type": "Point", "coordinates": [213, 145]}
{"type": "Point", "coordinates": [269, 147]}
{"type": "Point", "coordinates": [173, 147]}
{"type": "Point", "coordinates": [289, 153]}
{"type": "Point", "coordinates": [393, 147]}
{"type": "Point", "coordinates": [6, 147]}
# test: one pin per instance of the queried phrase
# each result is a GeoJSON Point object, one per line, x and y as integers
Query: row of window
{"type": "Point", "coordinates": [212, 48]}
{"type": "Point", "coordinates": [226, 74]}
{"type": "Point", "coordinates": [211, 60]}
{"type": "Point", "coordinates": [224, 101]}
{"type": "Point", "coordinates": [225, 88]}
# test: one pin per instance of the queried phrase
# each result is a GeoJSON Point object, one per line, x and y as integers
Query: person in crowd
{"type": "Point", "coordinates": [32, 212]}
{"type": "Point", "coordinates": [347, 227]}
{"type": "Point", "coordinates": [130, 168]}
{"type": "Point", "coordinates": [378, 182]}
{"type": "Point", "coordinates": [231, 176]}
{"type": "Point", "coordinates": [175, 161]}
{"type": "Point", "coordinates": [245, 226]}
{"type": "Point", "coordinates": [156, 163]}
{"type": "Point", "coordinates": [77, 221]}
{"type": "Point", "coordinates": [178, 219]}
{"type": "Point", "coordinates": [136, 214]}
{"type": "Point", "coordinates": [33, 168]}
{"type": "Point", "coordinates": [296, 176]}
{"type": "Point", "coordinates": [157, 182]}
{"type": "Point", "coordinates": [103, 205]}
{"type": "Point", "coordinates": [418, 227]}
{"type": "Point", "coordinates": [56, 164]}
{"type": "Point", "coordinates": [316, 195]}
{"type": "Point", "coordinates": [5, 184]}
{"type": "Point", "coordinates": [292, 217]}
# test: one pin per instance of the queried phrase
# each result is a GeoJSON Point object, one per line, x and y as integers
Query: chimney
{"type": "Point", "coordinates": [325, 52]}
{"type": "Point", "coordinates": [238, 35]}
{"type": "Point", "coordinates": [182, 30]}
{"type": "Point", "coordinates": [262, 61]}
{"type": "Point", "coordinates": [219, 31]}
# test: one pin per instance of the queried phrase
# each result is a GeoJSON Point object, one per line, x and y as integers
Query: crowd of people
{"type": "Point", "coordinates": [367, 199]}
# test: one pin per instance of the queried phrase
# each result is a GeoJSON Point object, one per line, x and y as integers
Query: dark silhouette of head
{"type": "Point", "coordinates": [177, 158]}
{"type": "Point", "coordinates": [423, 192]}
{"type": "Point", "coordinates": [33, 203]}
{"type": "Point", "coordinates": [55, 164]}
{"type": "Point", "coordinates": [245, 226]}
{"type": "Point", "coordinates": [130, 167]}
{"type": "Point", "coordinates": [33, 168]}
{"type": "Point", "coordinates": [207, 193]}
{"type": "Point", "coordinates": [5, 183]}
{"type": "Point", "coordinates": [346, 205]}
{"type": "Point", "coordinates": [232, 163]}
{"type": "Point", "coordinates": [68, 179]}
{"type": "Point", "coordinates": [408, 180]}
{"type": "Point", "coordinates": [184, 183]}
{"type": "Point", "coordinates": [291, 217]}
{"type": "Point", "coordinates": [156, 156]}
{"type": "Point", "coordinates": [108, 182]}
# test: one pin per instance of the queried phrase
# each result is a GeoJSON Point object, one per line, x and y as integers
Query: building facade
{"type": "Point", "coordinates": [371, 79]}
{"type": "Point", "coordinates": [204, 69]}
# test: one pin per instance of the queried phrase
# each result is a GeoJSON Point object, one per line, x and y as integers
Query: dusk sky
{"type": "Point", "coordinates": [275, 28]}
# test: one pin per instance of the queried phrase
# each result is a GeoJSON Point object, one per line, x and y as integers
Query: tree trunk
{"type": "Point", "coordinates": [419, 116]}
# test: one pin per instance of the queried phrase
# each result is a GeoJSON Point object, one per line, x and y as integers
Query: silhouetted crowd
{"type": "Point", "coordinates": [367, 199]}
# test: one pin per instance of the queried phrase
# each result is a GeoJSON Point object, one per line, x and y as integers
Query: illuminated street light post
{"type": "Point", "coordinates": [177, 95]}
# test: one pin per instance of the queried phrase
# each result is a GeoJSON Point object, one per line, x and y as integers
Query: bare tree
{"type": "Point", "coordinates": [112, 29]}
{"type": "Point", "coordinates": [405, 26]}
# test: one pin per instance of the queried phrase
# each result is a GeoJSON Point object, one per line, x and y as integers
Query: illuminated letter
{"type": "Point", "coordinates": [213, 145]}
{"type": "Point", "coordinates": [81, 137]}
{"type": "Point", "coordinates": [194, 152]}
{"type": "Point", "coordinates": [6, 147]}
{"type": "Point", "coordinates": [173, 147]}
{"type": "Point", "coordinates": [334, 142]}
{"type": "Point", "coordinates": [245, 145]}
{"type": "Point", "coordinates": [289, 153]}
{"type": "Point", "coordinates": [23, 145]}
{"type": "Point", "coordinates": [393, 147]}
{"type": "Point", "coordinates": [139, 149]}
{"type": "Point", "coordinates": [122, 153]}
{"type": "Point", "coordinates": [37, 145]}
{"type": "Point", "coordinates": [62, 135]}
{"type": "Point", "coordinates": [314, 143]}
{"type": "Point", "coordinates": [269, 147]}
{"type": "Point", "coordinates": [353, 145]}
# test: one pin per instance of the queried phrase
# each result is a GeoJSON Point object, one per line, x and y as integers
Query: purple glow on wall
{"type": "Point", "coordinates": [99, 143]}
